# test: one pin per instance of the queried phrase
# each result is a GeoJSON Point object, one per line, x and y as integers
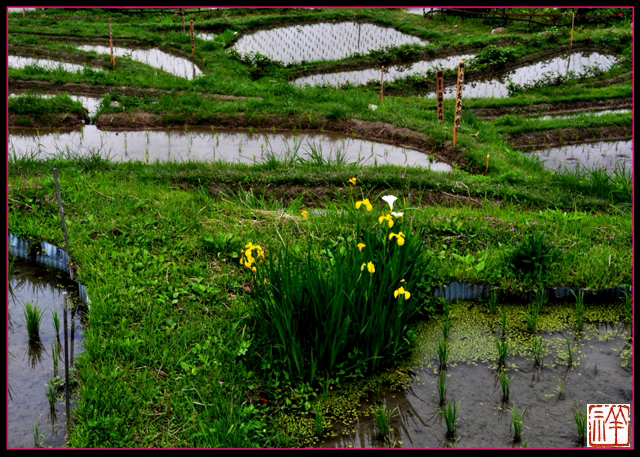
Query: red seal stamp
{"type": "Point", "coordinates": [609, 425]}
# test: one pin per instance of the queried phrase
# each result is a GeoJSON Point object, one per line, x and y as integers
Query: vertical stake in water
{"type": "Point", "coordinates": [64, 225]}
{"type": "Point", "coordinates": [440, 95]}
{"type": "Point", "coordinates": [66, 364]}
{"type": "Point", "coordinates": [459, 87]}
{"type": "Point", "coordinates": [113, 62]}
{"type": "Point", "coordinates": [381, 82]}
{"type": "Point", "coordinates": [573, 16]}
{"type": "Point", "coordinates": [193, 44]}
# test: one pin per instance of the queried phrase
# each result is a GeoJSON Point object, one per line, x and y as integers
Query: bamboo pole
{"type": "Point", "coordinates": [64, 225]}
{"type": "Point", "coordinates": [573, 16]}
{"type": "Point", "coordinates": [381, 82]}
{"type": "Point", "coordinates": [440, 95]}
{"type": "Point", "coordinates": [113, 62]}
{"type": "Point", "coordinates": [193, 43]}
{"type": "Point", "coordinates": [183, 30]}
{"type": "Point", "coordinates": [459, 87]}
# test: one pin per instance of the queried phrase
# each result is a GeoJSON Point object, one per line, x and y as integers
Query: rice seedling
{"type": "Point", "coordinates": [504, 325]}
{"type": "Point", "coordinates": [538, 352]}
{"type": "Point", "coordinates": [493, 302]}
{"type": "Point", "coordinates": [383, 417]}
{"type": "Point", "coordinates": [450, 415]}
{"type": "Point", "coordinates": [505, 384]}
{"type": "Point", "coordinates": [580, 419]}
{"type": "Point", "coordinates": [55, 356]}
{"type": "Point", "coordinates": [441, 350]}
{"type": "Point", "coordinates": [51, 395]}
{"type": "Point", "coordinates": [517, 422]}
{"type": "Point", "coordinates": [531, 318]}
{"type": "Point", "coordinates": [33, 317]}
{"type": "Point", "coordinates": [442, 387]}
{"type": "Point", "coordinates": [569, 353]}
{"type": "Point", "coordinates": [503, 348]}
{"type": "Point", "coordinates": [56, 322]}
{"type": "Point", "coordinates": [446, 327]}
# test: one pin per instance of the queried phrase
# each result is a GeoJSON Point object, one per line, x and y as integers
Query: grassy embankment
{"type": "Point", "coordinates": [175, 355]}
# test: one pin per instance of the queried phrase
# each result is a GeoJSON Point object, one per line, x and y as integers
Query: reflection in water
{"type": "Point", "coordinates": [605, 154]}
{"type": "Point", "coordinates": [323, 41]}
{"type": "Point", "coordinates": [392, 73]}
{"type": "Point", "coordinates": [153, 57]}
{"type": "Point", "coordinates": [495, 86]}
{"type": "Point", "coordinates": [21, 62]}
{"type": "Point", "coordinates": [31, 367]}
{"type": "Point", "coordinates": [204, 145]}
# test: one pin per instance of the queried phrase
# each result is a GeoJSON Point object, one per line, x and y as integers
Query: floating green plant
{"type": "Point", "coordinates": [33, 317]}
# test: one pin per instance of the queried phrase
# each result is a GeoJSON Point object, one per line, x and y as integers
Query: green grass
{"type": "Point", "coordinates": [179, 352]}
{"type": "Point", "coordinates": [33, 318]}
{"type": "Point", "coordinates": [450, 414]}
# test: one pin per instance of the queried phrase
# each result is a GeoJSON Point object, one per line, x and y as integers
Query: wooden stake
{"type": "Point", "coordinates": [381, 82]}
{"type": "Point", "coordinates": [193, 43]}
{"type": "Point", "coordinates": [440, 95]}
{"type": "Point", "coordinates": [573, 16]}
{"type": "Point", "coordinates": [183, 22]}
{"type": "Point", "coordinates": [459, 87]}
{"type": "Point", "coordinates": [111, 44]}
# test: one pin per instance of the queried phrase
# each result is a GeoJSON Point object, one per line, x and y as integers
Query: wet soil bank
{"type": "Point", "coordinates": [100, 90]}
{"type": "Point", "coordinates": [563, 137]}
{"type": "Point", "coordinates": [566, 108]}
{"type": "Point", "coordinates": [51, 120]}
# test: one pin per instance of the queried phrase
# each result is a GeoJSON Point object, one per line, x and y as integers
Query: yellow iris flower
{"type": "Point", "coordinates": [360, 246]}
{"type": "Point", "coordinates": [401, 291]}
{"type": "Point", "coordinates": [399, 236]}
{"type": "Point", "coordinates": [305, 214]}
{"type": "Point", "coordinates": [364, 202]}
{"type": "Point", "coordinates": [370, 267]}
{"type": "Point", "coordinates": [352, 181]}
{"type": "Point", "coordinates": [387, 218]}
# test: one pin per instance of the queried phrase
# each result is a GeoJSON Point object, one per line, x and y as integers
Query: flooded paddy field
{"type": "Point", "coordinates": [153, 57]}
{"type": "Point", "coordinates": [390, 74]}
{"type": "Point", "coordinates": [496, 85]}
{"type": "Point", "coordinates": [575, 369]}
{"type": "Point", "coordinates": [22, 62]}
{"type": "Point", "coordinates": [205, 145]}
{"type": "Point", "coordinates": [609, 155]}
{"type": "Point", "coordinates": [36, 371]}
{"type": "Point", "coordinates": [322, 41]}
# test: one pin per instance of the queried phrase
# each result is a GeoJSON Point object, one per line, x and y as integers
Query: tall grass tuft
{"type": "Point", "coordinates": [383, 417]}
{"type": "Point", "coordinates": [538, 352]}
{"type": "Point", "coordinates": [33, 317]}
{"type": "Point", "coordinates": [503, 348]}
{"type": "Point", "coordinates": [505, 383]}
{"type": "Point", "coordinates": [442, 387]}
{"type": "Point", "coordinates": [579, 309]}
{"type": "Point", "coordinates": [442, 351]}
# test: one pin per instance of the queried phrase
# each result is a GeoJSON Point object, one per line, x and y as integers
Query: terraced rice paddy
{"type": "Point", "coordinates": [311, 42]}
{"type": "Point", "coordinates": [610, 155]}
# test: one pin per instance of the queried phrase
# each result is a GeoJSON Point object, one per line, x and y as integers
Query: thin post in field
{"type": "Point", "coordinates": [381, 82]}
{"type": "Point", "coordinates": [193, 43]}
{"type": "Point", "coordinates": [113, 62]}
{"type": "Point", "coordinates": [64, 225]}
{"type": "Point", "coordinates": [440, 95]}
{"type": "Point", "coordinates": [459, 87]}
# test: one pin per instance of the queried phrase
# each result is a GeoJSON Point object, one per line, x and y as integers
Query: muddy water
{"type": "Point", "coordinates": [203, 145]}
{"type": "Point", "coordinates": [321, 41]}
{"type": "Point", "coordinates": [153, 57]}
{"type": "Point", "coordinates": [495, 86]}
{"type": "Point", "coordinates": [21, 62]}
{"type": "Point", "coordinates": [604, 154]}
{"type": "Point", "coordinates": [600, 373]}
{"type": "Point", "coordinates": [30, 367]}
{"type": "Point", "coordinates": [392, 73]}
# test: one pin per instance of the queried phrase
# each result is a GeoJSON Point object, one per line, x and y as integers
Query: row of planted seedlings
{"type": "Point", "coordinates": [537, 347]}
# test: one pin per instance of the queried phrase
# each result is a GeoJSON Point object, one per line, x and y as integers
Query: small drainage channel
{"type": "Point", "coordinates": [204, 145]}
{"type": "Point", "coordinates": [36, 407]}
